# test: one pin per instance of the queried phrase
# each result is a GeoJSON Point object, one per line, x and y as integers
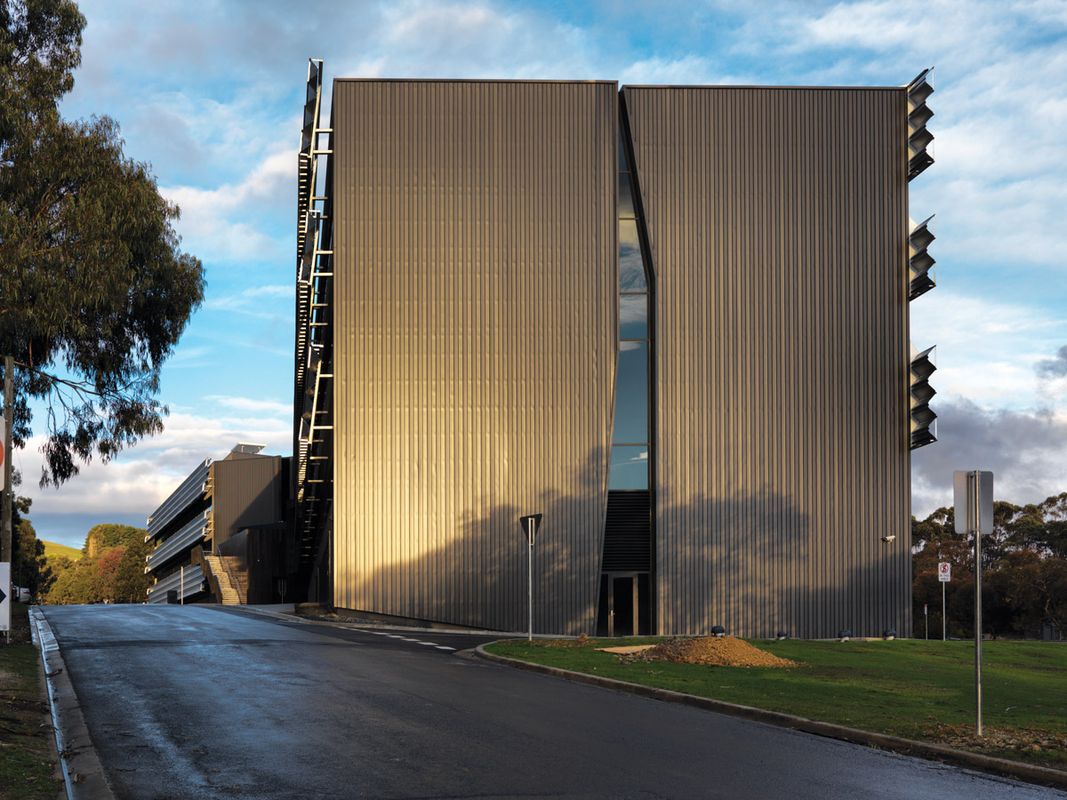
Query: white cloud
{"type": "Point", "coordinates": [689, 69]}
{"type": "Point", "coordinates": [986, 349]}
{"type": "Point", "coordinates": [212, 223]}
{"type": "Point", "coordinates": [1025, 450]}
{"type": "Point", "coordinates": [141, 477]}
{"type": "Point", "coordinates": [275, 407]}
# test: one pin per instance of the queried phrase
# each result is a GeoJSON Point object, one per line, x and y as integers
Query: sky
{"type": "Point", "coordinates": [212, 99]}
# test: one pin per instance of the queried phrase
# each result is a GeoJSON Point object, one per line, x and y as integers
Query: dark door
{"type": "Point", "coordinates": [624, 605]}
{"type": "Point", "coordinates": [624, 608]}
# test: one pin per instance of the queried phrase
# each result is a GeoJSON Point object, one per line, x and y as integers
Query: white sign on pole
{"type": "Point", "coordinates": [971, 500]}
{"type": "Point", "coordinates": [944, 572]}
{"type": "Point", "coordinates": [5, 601]}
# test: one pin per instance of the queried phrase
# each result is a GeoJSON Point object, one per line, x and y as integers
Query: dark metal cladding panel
{"type": "Point", "coordinates": [246, 492]}
{"type": "Point", "coordinates": [475, 250]}
{"type": "Point", "coordinates": [778, 225]}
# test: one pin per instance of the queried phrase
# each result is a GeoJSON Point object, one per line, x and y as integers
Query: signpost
{"type": "Point", "coordinates": [530, 525]}
{"type": "Point", "coordinates": [944, 575]}
{"type": "Point", "coordinates": [5, 599]}
{"type": "Point", "coordinates": [973, 495]}
{"type": "Point", "coordinates": [926, 620]}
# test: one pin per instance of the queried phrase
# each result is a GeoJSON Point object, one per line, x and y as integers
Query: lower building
{"type": "Point", "coordinates": [672, 320]}
{"type": "Point", "coordinates": [222, 535]}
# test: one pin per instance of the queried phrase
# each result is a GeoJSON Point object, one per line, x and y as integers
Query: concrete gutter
{"type": "Point", "coordinates": [1044, 776]}
{"type": "Point", "coordinates": [83, 774]}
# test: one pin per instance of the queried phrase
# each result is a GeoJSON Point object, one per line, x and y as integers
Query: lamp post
{"type": "Point", "coordinates": [530, 524]}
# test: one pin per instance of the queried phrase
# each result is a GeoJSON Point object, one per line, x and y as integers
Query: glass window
{"type": "Point", "coordinates": [633, 316]}
{"type": "Point", "coordinates": [626, 198]}
{"type": "Point", "coordinates": [629, 468]}
{"type": "Point", "coordinates": [631, 394]}
{"type": "Point", "coordinates": [631, 268]}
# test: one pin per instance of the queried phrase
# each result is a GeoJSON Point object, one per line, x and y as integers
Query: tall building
{"type": "Point", "coordinates": [221, 535]}
{"type": "Point", "coordinates": [673, 320]}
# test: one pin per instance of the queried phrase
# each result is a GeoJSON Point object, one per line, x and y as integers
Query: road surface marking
{"type": "Point", "coordinates": [443, 647]}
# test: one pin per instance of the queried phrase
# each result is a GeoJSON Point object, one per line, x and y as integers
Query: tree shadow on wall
{"type": "Point", "coordinates": [750, 562]}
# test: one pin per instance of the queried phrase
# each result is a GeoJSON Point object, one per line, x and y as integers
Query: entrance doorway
{"type": "Point", "coordinates": [625, 608]}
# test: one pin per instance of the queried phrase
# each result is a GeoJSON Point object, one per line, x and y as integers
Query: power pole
{"type": "Point", "coordinates": [9, 416]}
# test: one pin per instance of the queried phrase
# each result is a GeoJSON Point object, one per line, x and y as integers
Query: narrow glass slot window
{"type": "Point", "coordinates": [629, 468]}
{"type": "Point", "coordinates": [633, 316]}
{"type": "Point", "coordinates": [631, 394]}
{"type": "Point", "coordinates": [626, 197]}
{"type": "Point", "coordinates": [631, 268]}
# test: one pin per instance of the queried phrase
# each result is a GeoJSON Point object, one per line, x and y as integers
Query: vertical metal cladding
{"type": "Point", "coordinates": [778, 228]}
{"type": "Point", "coordinates": [246, 492]}
{"type": "Point", "coordinates": [474, 346]}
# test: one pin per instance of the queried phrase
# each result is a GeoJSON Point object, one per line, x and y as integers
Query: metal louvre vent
{"type": "Point", "coordinates": [920, 262]}
{"type": "Point", "coordinates": [191, 490]}
{"type": "Point", "coordinates": [628, 532]}
{"type": "Point", "coordinates": [923, 419]}
{"type": "Point", "coordinates": [919, 114]}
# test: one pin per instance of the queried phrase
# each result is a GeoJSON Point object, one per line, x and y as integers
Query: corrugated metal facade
{"type": "Point", "coordinates": [246, 491]}
{"type": "Point", "coordinates": [474, 302]}
{"type": "Point", "coordinates": [778, 228]}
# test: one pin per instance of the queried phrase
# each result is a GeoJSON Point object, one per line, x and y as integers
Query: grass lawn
{"type": "Point", "coordinates": [911, 688]}
{"type": "Point", "coordinates": [54, 549]}
{"type": "Point", "coordinates": [26, 765]}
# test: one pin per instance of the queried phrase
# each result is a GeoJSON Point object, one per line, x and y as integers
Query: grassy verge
{"type": "Point", "coordinates": [911, 688]}
{"type": "Point", "coordinates": [26, 764]}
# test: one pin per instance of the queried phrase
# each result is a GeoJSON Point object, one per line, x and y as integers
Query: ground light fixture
{"type": "Point", "coordinates": [844, 635]}
{"type": "Point", "coordinates": [889, 634]}
{"type": "Point", "coordinates": [718, 631]}
{"type": "Point", "coordinates": [781, 635]}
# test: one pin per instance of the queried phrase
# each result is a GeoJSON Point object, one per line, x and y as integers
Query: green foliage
{"type": "Point", "coordinates": [28, 561]}
{"type": "Point", "coordinates": [111, 571]}
{"type": "Point", "coordinates": [94, 291]}
{"type": "Point", "coordinates": [131, 582]}
{"type": "Point", "coordinates": [101, 537]}
{"type": "Point", "coordinates": [1024, 571]}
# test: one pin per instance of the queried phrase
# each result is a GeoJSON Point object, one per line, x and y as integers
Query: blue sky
{"type": "Point", "coordinates": [212, 99]}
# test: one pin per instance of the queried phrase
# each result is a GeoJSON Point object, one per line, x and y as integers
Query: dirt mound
{"type": "Point", "coordinates": [712, 651]}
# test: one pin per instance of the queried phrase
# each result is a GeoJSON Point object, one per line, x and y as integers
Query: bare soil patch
{"type": "Point", "coordinates": [998, 740]}
{"type": "Point", "coordinates": [727, 651]}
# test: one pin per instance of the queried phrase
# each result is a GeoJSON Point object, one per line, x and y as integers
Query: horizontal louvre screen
{"type": "Point", "coordinates": [628, 533]}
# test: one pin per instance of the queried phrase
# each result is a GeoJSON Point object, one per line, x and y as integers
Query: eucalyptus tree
{"type": "Point", "coordinates": [94, 288]}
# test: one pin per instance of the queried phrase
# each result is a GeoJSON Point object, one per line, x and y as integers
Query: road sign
{"type": "Point", "coordinates": [530, 525]}
{"type": "Point", "coordinates": [5, 601]}
{"type": "Point", "coordinates": [965, 493]}
{"type": "Point", "coordinates": [973, 493]}
{"type": "Point", "coordinates": [944, 572]}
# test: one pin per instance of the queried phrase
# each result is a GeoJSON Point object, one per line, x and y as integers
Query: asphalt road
{"type": "Point", "coordinates": [200, 702]}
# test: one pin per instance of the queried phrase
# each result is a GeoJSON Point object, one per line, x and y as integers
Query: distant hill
{"type": "Point", "coordinates": [54, 549]}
